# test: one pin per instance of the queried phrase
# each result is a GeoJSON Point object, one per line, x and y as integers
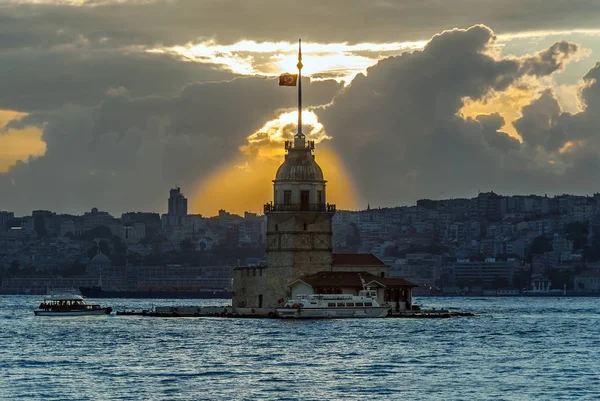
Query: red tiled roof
{"type": "Point", "coordinates": [356, 259]}
{"type": "Point", "coordinates": [394, 282]}
{"type": "Point", "coordinates": [351, 279]}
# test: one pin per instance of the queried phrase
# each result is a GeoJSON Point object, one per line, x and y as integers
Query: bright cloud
{"type": "Point", "coordinates": [18, 145]}
{"type": "Point", "coordinates": [340, 61]}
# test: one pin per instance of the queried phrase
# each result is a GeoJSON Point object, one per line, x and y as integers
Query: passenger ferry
{"type": "Point", "coordinates": [334, 306]}
{"type": "Point", "coordinates": [69, 305]}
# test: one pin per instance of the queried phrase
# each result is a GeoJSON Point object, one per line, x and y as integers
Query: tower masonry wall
{"type": "Point", "coordinates": [298, 244]}
{"type": "Point", "coordinates": [271, 285]}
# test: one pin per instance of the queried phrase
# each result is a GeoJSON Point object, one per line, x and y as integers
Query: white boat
{"type": "Point", "coordinates": [69, 305]}
{"type": "Point", "coordinates": [334, 306]}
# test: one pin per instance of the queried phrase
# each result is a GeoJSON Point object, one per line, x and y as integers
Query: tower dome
{"type": "Point", "coordinates": [100, 260]}
{"type": "Point", "coordinates": [299, 165]}
{"type": "Point", "coordinates": [98, 263]}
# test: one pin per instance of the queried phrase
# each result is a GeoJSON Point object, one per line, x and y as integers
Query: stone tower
{"type": "Point", "coordinates": [299, 232]}
{"type": "Point", "coordinates": [298, 221]}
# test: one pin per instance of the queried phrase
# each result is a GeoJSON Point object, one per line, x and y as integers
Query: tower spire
{"type": "Point", "coordinates": [299, 65]}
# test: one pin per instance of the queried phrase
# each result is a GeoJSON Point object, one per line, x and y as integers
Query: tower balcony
{"type": "Point", "coordinates": [300, 207]}
{"type": "Point", "coordinates": [299, 143]}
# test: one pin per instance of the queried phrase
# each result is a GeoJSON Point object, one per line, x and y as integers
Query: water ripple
{"type": "Point", "coordinates": [516, 349]}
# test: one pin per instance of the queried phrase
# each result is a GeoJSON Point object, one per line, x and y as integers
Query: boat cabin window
{"type": "Point", "coordinates": [331, 304]}
{"type": "Point", "coordinates": [341, 304]}
{"type": "Point", "coordinates": [368, 303]}
{"type": "Point", "coordinates": [360, 304]}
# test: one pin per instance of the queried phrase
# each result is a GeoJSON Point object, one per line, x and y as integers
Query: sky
{"type": "Point", "coordinates": [109, 104]}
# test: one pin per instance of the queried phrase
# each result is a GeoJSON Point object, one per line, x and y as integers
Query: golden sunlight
{"type": "Point", "coordinates": [267, 142]}
{"type": "Point", "coordinates": [339, 61]}
{"type": "Point", "coordinates": [18, 145]}
{"type": "Point", "coordinates": [246, 184]}
{"type": "Point", "coordinates": [508, 103]}
{"type": "Point", "coordinates": [570, 146]}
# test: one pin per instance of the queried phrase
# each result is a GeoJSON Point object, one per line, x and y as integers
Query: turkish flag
{"type": "Point", "coordinates": [288, 79]}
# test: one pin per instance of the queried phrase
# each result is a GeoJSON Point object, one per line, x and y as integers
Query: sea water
{"type": "Point", "coordinates": [514, 349]}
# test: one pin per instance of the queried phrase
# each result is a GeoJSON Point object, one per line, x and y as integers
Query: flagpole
{"type": "Point", "coordinates": [299, 65]}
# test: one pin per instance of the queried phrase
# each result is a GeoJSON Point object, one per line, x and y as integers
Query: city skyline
{"type": "Point", "coordinates": [180, 193]}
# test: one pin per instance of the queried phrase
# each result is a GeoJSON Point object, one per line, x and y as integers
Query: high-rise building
{"type": "Point", "coordinates": [177, 208]}
{"type": "Point", "coordinates": [5, 217]}
{"type": "Point", "coordinates": [177, 203]}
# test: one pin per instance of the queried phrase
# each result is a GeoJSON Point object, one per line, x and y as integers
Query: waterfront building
{"type": "Point", "coordinates": [392, 291]}
{"type": "Point", "coordinates": [540, 283]}
{"type": "Point", "coordinates": [486, 272]}
{"type": "Point", "coordinates": [587, 281]}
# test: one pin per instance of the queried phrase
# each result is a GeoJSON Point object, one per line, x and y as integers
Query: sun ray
{"type": "Point", "coordinates": [245, 184]}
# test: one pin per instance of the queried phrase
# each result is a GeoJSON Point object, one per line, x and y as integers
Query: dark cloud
{"type": "Point", "coordinates": [590, 93]}
{"type": "Point", "coordinates": [398, 129]}
{"type": "Point", "coordinates": [491, 124]}
{"type": "Point", "coordinates": [544, 124]}
{"type": "Point", "coordinates": [181, 21]}
{"type": "Point", "coordinates": [53, 54]}
{"type": "Point", "coordinates": [126, 153]}
{"type": "Point", "coordinates": [539, 123]}
{"type": "Point", "coordinates": [34, 80]}
{"type": "Point", "coordinates": [550, 60]}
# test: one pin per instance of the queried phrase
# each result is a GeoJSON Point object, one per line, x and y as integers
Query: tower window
{"type": "Point", "coordinates": [305, 226]}
{"type": "Point", "coordinates": [304, 200]}
{"type": "Point", "coordinates": [319, 197]}
{"type": "Point", "coordinates": [287, 197]}
{"type": "Point", "coordinates": [276, 227]}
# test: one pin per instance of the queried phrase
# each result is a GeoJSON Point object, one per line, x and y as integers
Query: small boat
{"type": "Point", "coordinates": [69, 305]}
{"type": "Point", "coordinates": [334, 306]}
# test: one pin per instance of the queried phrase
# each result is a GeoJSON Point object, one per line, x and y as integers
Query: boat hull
{"type": "Point", "coordinates": [91, 312]}
{"type": "Point", "coordinates": [332, 313]}
{"type": "Point", "coordinates": [97, 292]}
